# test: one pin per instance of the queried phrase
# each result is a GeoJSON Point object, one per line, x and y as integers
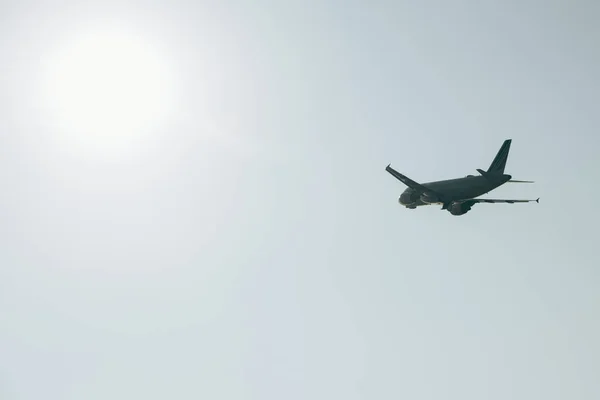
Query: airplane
{"type": "Point", "coordinates": [458, 196]}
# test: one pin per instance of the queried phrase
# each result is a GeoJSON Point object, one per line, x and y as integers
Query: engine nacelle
{"type": "Point", "coordinates": [408, 198]}
{"type": "Point", "coordinates": [459, 208]}
{"type": "Point", "coordinates": [429, 198]}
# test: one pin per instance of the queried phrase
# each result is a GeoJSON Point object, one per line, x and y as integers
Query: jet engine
{"type": "Point", "coordinates": [408, 198]}
{"type": "Point", "coordinates": [459, 208]}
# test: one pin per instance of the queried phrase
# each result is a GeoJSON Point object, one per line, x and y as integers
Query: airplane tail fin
{"type": "Point", "coordinates": [497, 166]}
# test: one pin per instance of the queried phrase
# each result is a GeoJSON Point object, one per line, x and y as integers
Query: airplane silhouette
{"type": "Point", "coordinates": [459, 195]}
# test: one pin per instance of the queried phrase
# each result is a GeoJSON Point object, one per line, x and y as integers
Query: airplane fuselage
{"type": "Point", "coordinates": [453, 189]}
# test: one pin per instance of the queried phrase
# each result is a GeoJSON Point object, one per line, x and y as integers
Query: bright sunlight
{"type": "Point", "coordinates": [106, 91]}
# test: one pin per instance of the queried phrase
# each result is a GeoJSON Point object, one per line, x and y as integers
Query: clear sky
{"type": "Point", "coordinates": [234, 235]}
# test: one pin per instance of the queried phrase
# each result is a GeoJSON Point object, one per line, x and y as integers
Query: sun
{"type": "Point", "coordinates": [107, 90]}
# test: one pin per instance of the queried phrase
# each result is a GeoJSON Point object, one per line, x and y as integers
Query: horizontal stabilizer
{"type": "Point", "coordinates": [482, 172]}
{"type": "Point", "coordinates": [516, 181]}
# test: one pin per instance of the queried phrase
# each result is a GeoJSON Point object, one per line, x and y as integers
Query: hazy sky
{"type": "Point", "coordinates": [248, 244]}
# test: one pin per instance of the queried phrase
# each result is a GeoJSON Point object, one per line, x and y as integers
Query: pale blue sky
{"type": "Point", "coordinates": [252, 246]}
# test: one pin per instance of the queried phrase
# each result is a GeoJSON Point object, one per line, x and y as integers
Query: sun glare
{"type": "Point", "coordinates": [107, 91]}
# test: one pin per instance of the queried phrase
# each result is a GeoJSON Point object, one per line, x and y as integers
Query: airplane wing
{"type": "Point", "coordinates": [474, 201]}
{"type": "Point", "coordinates": [409, 182]}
